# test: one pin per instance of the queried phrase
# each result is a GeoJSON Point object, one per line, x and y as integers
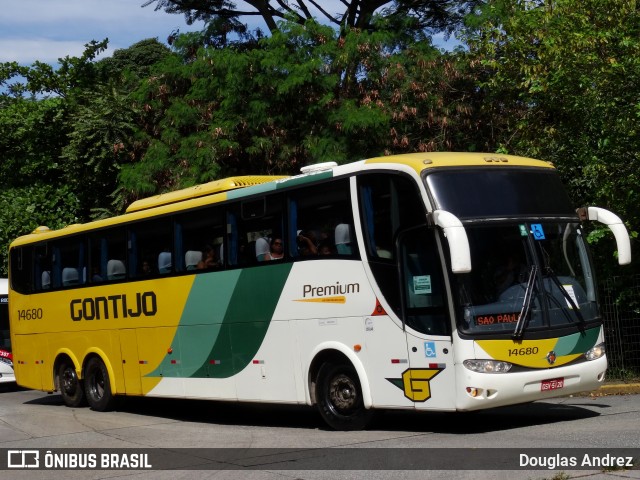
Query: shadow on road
{"type": "Point", "coordinates": [292, 416]}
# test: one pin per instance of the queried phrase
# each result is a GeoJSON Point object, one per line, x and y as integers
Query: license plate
{"type": "Point", "coordinates": [553, 384]}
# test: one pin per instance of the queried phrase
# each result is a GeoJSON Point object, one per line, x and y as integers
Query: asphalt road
{"type": "Point", "coordinates": [181, 434]}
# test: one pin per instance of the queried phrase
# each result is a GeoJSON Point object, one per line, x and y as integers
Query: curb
{"type": "Point", "coordinates": [614, 389]}
{"type": "Point", "coordinates": [619, 389]}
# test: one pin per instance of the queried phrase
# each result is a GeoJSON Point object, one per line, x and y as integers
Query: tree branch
{"type": "Point", "coordinates": [325, 13]}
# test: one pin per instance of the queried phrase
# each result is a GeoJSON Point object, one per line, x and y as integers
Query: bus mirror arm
{"type": "Point", "coordinates": [614, 223]}
{"type": "Point", "coordinates": [457, 238]}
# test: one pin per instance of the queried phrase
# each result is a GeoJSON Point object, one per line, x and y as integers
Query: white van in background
{"type": "Point", "coordinates": [6, 357]}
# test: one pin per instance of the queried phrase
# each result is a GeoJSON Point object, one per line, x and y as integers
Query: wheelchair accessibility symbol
{"type": "Point", "coordinates": [537, 231]}
{"type": "Point", "coordinates": [430, 349]}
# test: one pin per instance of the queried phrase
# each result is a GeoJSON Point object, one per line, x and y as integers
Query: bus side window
{"type": "Point", "coordinates": [42, 264]}
{"type": "Point", "coordinates": [150, 245]}
{"type": "Point", "coordinates": [199, 239]}
{"type": "Point", "coordinates": [23, 277]}
{"type": "Point", "coordinates": [104, 247]}
{"type": "Point", "coordinates": [389, 203]}
{"type": "Point", "coordinates": [423, 283]}
{"type": "Point", "coordinates": [259, 222]}
{"type": "Point", "coordinates": [321, 222]}
{"type": "Point", "coordinates": [68, 262]}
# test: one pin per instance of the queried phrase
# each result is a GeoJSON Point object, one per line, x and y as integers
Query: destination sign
{"type": "Point", "coordinates": [496, 318]}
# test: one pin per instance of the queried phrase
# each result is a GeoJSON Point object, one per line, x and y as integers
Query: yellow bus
{"type": "Point", "coordinates": [427, 281]}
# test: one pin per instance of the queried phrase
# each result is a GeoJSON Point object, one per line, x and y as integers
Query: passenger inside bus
{"type": "Point", "coordinates": [210, 259]}
{"type": "Point", "coordinates": [306, 243]}
{"type": "Point", "coordinates": [276, 249]}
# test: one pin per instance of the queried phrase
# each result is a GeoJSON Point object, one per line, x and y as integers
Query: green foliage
{"type": "Point", "coordinates": [562, 79]}
{"type": "Point", "coordinates": [25, 208]}
{"type": "Point", "coordinates": [31, 136]}
{"type": "Point", "coordinates": [305, 94]}
{"type": "Point", "coordinates": [100, 137]}
{"type": "Point", "coordinates": [552, 80]}
{"type": "Point", "coordinates": [136, 60]}
{"type": "Point", "coordinates": [72, 74]}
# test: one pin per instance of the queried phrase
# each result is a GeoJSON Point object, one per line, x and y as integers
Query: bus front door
{"type": "Point", "coordinates": [430, 379]}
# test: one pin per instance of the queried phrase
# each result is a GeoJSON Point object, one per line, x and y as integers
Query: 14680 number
{"type": "Point", "coordinates": [515, 352]}
{"type": "Point", "coordinates": [30, 314]}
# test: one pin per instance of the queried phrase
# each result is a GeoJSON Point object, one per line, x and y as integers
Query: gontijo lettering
{"type": "Point", "coordinates": [113, 306]}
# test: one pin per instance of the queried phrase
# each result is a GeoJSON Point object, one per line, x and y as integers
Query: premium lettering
{"type": "Point", "coordinates": [114, 306]}
{"type": "Point", "coordinates": [328, 290]}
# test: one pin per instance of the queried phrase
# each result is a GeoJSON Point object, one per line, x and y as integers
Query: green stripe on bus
{"type": "Point", "coordinates": [245, 192]}
{"type": "Point", "coordinates": [224, 322]}
{"type": "Point", "coordinates": [577, 342]}
{"type": "Point", "coordinates": [246, 321]}
{"type": "Point", "coordinates": [295, 181]}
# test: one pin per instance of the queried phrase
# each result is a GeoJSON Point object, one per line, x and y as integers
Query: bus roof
{"type": "Point", "coordinates": [241, 186]}
{"type": "Point", "coordinates": [211, 188]}
{"type": "Point", "coordinates": [427, 160]}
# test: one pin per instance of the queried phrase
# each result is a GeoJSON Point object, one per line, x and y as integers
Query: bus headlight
{"type": "Point", "coordinates": [487, 366]}
{"type": "Point", "coordinates": [596, 352]}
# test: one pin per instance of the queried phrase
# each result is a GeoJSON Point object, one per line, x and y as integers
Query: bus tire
{"type": "Point", "coordinates": [71, 388]}
{"type": "Point", "coordinates": [97, 386]}
{"type": "Point", "coordinates": [339, 397]}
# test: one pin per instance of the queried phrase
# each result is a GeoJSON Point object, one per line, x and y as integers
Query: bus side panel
{"type": "Point", "coordinates": [130, 366]}
{"type": "Point", "coordinates": [269, 376]}
{"type": "Point", "coordinates": [103, 343]}
{"type": "Point", "coordinates": [28, 360]}
{"type": "Point", "coordinates": [386, 360]}
{"type": "Point", "coordinates": [153, 346]}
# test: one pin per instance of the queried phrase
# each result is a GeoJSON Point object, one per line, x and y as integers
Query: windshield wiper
{"type": "Point", "coordinates": [526, 304]}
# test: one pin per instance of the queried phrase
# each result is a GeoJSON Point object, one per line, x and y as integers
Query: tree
{"type": "Point", "coordinates": [23, 209]}
{"type": "Point", "coordinates": [563, 80]}
{"type": "Point", "coordinates": [441, 15]}
{"type": "Point", "coordinates": [100, 137]}
{"type": "Point", "coordinates": [284, 104]}
{"type": "Point", "coordinates": [135, 60]}
{"type": "Point", "coordinates": [31, 137]}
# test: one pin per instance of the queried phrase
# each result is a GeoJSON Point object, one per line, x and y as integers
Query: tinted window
{"type": "Point", "coordinates": [200, 239]}
{"type": "Point", "coordinates": [321, 221]}
{"type": "Point", "coordinates": [151, 248]}
{"type": "Point", "coordinates": [499, 192]}
{"type": "Point", "coordinates": [389, 204]}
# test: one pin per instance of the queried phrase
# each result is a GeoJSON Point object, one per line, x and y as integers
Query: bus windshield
{"type": "Point", "coordinates": [499, 192]}
{"type": "Point", "coordinates": [537, 271]}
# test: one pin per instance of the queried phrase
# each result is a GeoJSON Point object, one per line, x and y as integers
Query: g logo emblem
{"type": "Point", "coordinates": [416, 383]}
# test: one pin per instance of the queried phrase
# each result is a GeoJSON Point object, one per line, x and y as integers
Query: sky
{"type": "Point", "coordinates": [46, 30]}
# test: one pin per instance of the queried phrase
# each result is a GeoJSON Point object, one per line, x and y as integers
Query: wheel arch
{"type": "Point", "coordinates": [97, 353]}
{"type": "Point", "coordinates": [62, 355]}
{"type": "Point", "coordinates": [335, 352]}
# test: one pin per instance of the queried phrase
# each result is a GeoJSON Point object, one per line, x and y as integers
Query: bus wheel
{"type": "Point", "coordinates": [339, 397]}
{"type": "Point", "coordinates": [97, 386]}
{"type": "Point", "coordinates": [70, 386]}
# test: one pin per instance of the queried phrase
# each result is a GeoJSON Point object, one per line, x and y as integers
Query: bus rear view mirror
{"type": "Point", "coordinates": [614, 223]}
{"type": "Point", "coordinates": [457, 238]}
